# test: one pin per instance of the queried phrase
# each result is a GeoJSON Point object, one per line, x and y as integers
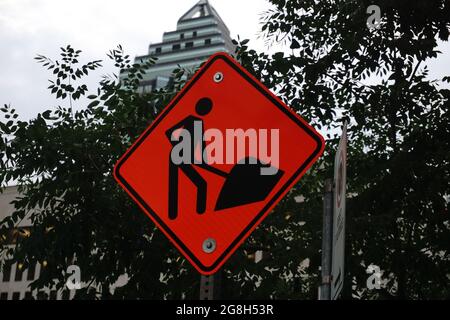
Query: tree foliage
{"type": "Point", "coordinates": [338, 69]}
{"type": "Point", "coordinates": [377, 79]}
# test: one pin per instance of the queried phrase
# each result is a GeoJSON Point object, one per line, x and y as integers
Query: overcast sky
{"type": "Point", "coordinates": [29, 27]}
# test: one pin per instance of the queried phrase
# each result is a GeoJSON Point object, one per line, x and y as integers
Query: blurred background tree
{"type": "Point", "coordinates": [339, 69]}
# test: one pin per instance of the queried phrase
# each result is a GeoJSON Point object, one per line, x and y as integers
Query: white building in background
{"type": "Point", "coordinates": [14, 280]}
{"type": "Point", "coordinates": [200, 33]}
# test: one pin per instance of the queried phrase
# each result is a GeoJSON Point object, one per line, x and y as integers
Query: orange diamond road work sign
{"type": "Point", "coordinates": [216, 161]}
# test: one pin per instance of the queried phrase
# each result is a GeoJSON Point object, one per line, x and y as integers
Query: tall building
{"type": "Point", "coordinates": [200, 33]}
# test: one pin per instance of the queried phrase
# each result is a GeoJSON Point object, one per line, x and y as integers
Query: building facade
{"type": "Point", "coordinates": [15, 279]}
{"type": "Point", "coordinates": [200, 33]}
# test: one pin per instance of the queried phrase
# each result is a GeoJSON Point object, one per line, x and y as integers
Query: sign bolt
{"type": "Point", "coordinates": [209, 245]}
{"type": "Point", "coordinates": [218, 77]}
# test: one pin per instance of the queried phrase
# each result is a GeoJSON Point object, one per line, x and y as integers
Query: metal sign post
{"type": "Point", "coordinates": [210, 286]}
{"type": "Point", "coordinates": [340, 180]}
{"type": "Point", "coordinates": [333, 237]}
{"type": "Point", "coordinates": [327, 241]}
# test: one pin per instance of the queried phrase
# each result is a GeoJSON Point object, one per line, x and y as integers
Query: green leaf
{"type": "Point", "coordinates": [93, 103]}
{"type": "Point", "coordinates": [294, 44]}
{"type": "Point", "coordinates": [46, 114]}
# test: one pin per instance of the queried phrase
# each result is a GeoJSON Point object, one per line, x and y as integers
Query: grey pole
{"type": "Point", "coordinates": [210, 286]}
{"type": "Point", "coordinates": [327, 241]}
